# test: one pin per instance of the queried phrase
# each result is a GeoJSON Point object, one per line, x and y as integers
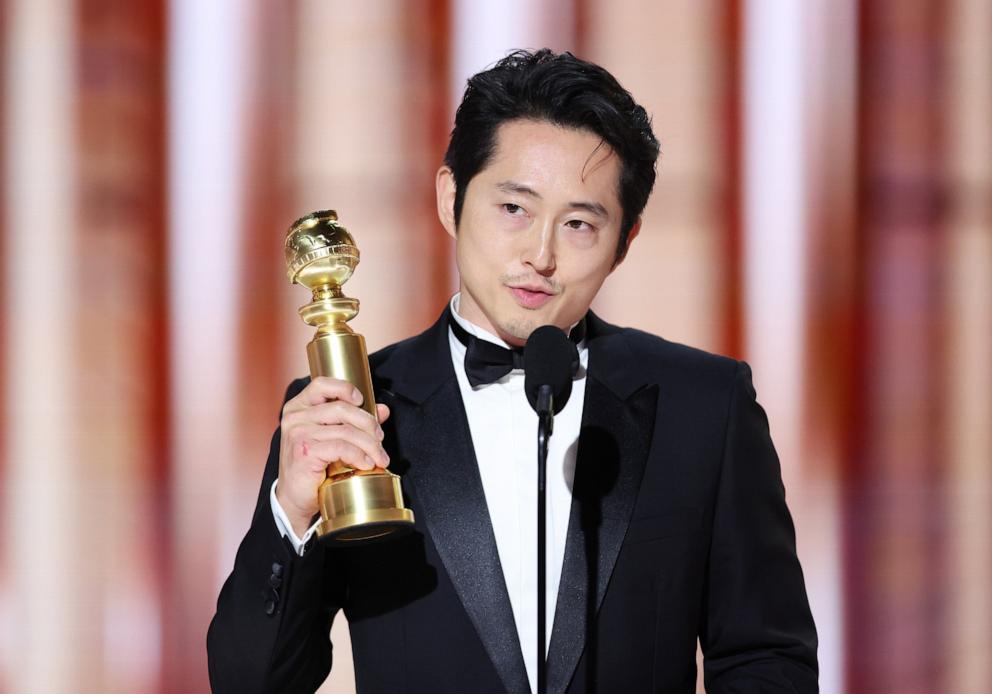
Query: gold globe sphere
{"type": "Point", "coordinates": [319, 251]}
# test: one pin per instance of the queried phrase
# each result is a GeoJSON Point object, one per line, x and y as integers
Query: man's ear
{"type": "Point", "coordinates": [444, 186]}
{"type": "Point", "coordinates": [634, 231]}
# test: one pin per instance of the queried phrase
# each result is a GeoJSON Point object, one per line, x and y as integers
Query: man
{"type": "Point", "coordinates": [666, 513]}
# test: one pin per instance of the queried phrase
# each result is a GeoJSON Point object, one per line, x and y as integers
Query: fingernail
{"type": "Point", "coordinates": [356, 395]}
{"type": "Point", "coordinates": [369, 462]}
{"type": "Point", "coordinates": [381, 433]}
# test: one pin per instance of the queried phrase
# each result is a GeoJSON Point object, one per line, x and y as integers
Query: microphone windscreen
{"type": "Point", "coordinates": [550, 359]}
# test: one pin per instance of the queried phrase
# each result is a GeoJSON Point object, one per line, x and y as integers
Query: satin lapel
{"type": "Point", "coordinates": [444, 475]}
{"type": "Point", "coordinates": [617, 426]}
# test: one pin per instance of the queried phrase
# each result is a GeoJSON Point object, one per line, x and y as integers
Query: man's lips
{"type": "Point", "coordinates": [530, 297]}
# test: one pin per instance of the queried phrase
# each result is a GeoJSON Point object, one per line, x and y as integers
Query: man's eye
{"type": "Point", "coordinates": [510, 208]}
{"type": "Point", "coordinates": [578, 224]}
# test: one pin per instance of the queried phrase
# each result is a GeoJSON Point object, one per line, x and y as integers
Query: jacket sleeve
{"type": "Point", "coordinates": [757, 633]}
{"type": "Point", "coordinates": [271, 629]}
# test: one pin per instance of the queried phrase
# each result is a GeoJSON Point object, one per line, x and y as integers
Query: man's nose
{"type": "Point", "coordinates": [539, 248]}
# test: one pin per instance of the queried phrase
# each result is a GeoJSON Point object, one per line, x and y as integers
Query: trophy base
{"type": "Point", "coordinates": [362, 508]}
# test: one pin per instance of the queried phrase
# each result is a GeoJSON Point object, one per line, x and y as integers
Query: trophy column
{"type": "Point", "coordinates": [355, 505]}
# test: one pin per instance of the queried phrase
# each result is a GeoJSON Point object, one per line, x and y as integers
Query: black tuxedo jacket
{"type": "Point", "coordinates": [678, 530]}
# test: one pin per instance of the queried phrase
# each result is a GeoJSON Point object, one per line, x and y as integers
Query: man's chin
{"type": "Point", "coordinates": [516, 330]}
{"type": "Point", "coordinates": [520, 328]}
{"type": "Point", "coordinates": [515, 335]}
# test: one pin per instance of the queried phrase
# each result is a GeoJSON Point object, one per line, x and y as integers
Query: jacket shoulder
{"type": "Point", "coordinates": [659, 348]}
{"type": "Point", "coordinates": [381, 357]}
{"type": "Point", "coordinates": [665, 361]}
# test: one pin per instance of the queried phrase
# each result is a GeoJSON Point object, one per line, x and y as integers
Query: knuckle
{"type": "Point", "coordinates": [330, 384]}
{"type": "Point", "coordinates": [290, 420]}
{"type": "Point", "coordinates": [294, 433]}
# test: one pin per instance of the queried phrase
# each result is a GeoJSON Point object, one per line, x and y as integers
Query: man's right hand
{"type": "Point", "coordinates": [322, 425]}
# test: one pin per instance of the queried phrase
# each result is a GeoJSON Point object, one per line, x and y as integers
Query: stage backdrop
{"type": "Point", "coordinates": [823, 210]}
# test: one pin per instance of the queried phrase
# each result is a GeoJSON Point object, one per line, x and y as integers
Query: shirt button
{"type": "Point", "coordinates": [270, 607]}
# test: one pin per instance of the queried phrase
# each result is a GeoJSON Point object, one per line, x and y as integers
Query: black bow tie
{"type": "Point", "coordinates": [486, 362]}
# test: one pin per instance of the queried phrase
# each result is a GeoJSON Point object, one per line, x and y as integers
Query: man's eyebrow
{"type": "Point", "coordinates": [590, 207]}
{"type": "Point", "coordinates": [514, 187]}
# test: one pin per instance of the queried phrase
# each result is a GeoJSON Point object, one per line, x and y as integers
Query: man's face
{"type": "Point", "coordinates": [538, 230]}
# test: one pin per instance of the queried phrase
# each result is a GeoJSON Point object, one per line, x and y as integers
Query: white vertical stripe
{"type": "Point", "coordinates": [968, 395]}
{"type": "Point", "coordinates": [39, 609]}
{"type": "Point", "coordinates": [206, 137]}
{"type": "Point", "coordinates": [774, 204]}
{"type": "Point", "coordinates": [796, 56]}
{"type": "Point", "coordinates": [968, 442]}
{"type": "Point", "coordinates": [485, 31]}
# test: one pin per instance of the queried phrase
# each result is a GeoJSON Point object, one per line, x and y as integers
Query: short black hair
{"type": "Point", "coordinates": [565, 91]}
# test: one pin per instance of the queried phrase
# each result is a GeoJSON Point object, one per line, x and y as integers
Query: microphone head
{"type": "Point", "coordinates": [550, 359]}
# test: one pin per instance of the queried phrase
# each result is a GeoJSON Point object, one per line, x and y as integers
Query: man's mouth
{"type": "Point", "coordinates": [531, 296]}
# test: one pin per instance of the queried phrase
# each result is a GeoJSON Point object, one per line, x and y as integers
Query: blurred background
{"type": "Point", "coordinates": [823, 210]}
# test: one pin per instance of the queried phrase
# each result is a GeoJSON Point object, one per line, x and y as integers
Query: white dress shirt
{"type": "Point", "coordinates": [504, 436]}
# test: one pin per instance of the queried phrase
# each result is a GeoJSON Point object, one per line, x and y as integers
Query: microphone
{"type": "Point", "coordinates": [550, 359]}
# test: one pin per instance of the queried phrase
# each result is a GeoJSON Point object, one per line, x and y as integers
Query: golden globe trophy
{"type": "Point", "coordinates": [355, 505]}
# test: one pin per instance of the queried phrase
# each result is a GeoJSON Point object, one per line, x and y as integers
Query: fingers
{"type": "Point", "coordinates": [352, 454]}
{"type": "Point", "coordinates": [310, 440]}
{"type": "Point", "coordinates": [323, 389]}
{"type": "Point", "coordinates": [334, 411]}
{"type": "Point", "coordinates": [338, 412]}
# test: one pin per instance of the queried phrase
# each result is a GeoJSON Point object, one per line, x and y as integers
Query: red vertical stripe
{"type": "Point", "coordinates": [429, 49]}
{"type": "Point", "coordinates": [440, 118]}
{"type": "Point", "coordinates": [154, 19]}
{"type": "Point", "coordinates": [121, 299]}
{"type": "Point", "coordinates": [580, 26]}
{"type": "Point", "coordinates": [733, 213]}
{"type": "Point", "coordinates": [893, 505]}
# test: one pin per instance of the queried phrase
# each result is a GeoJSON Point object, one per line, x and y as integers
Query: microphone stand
{"type": "Point", "coordinates": [545, 425]}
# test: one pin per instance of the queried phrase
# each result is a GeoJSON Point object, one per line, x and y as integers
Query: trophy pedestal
{"type": "Point", "coordinates": [362, 506]}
